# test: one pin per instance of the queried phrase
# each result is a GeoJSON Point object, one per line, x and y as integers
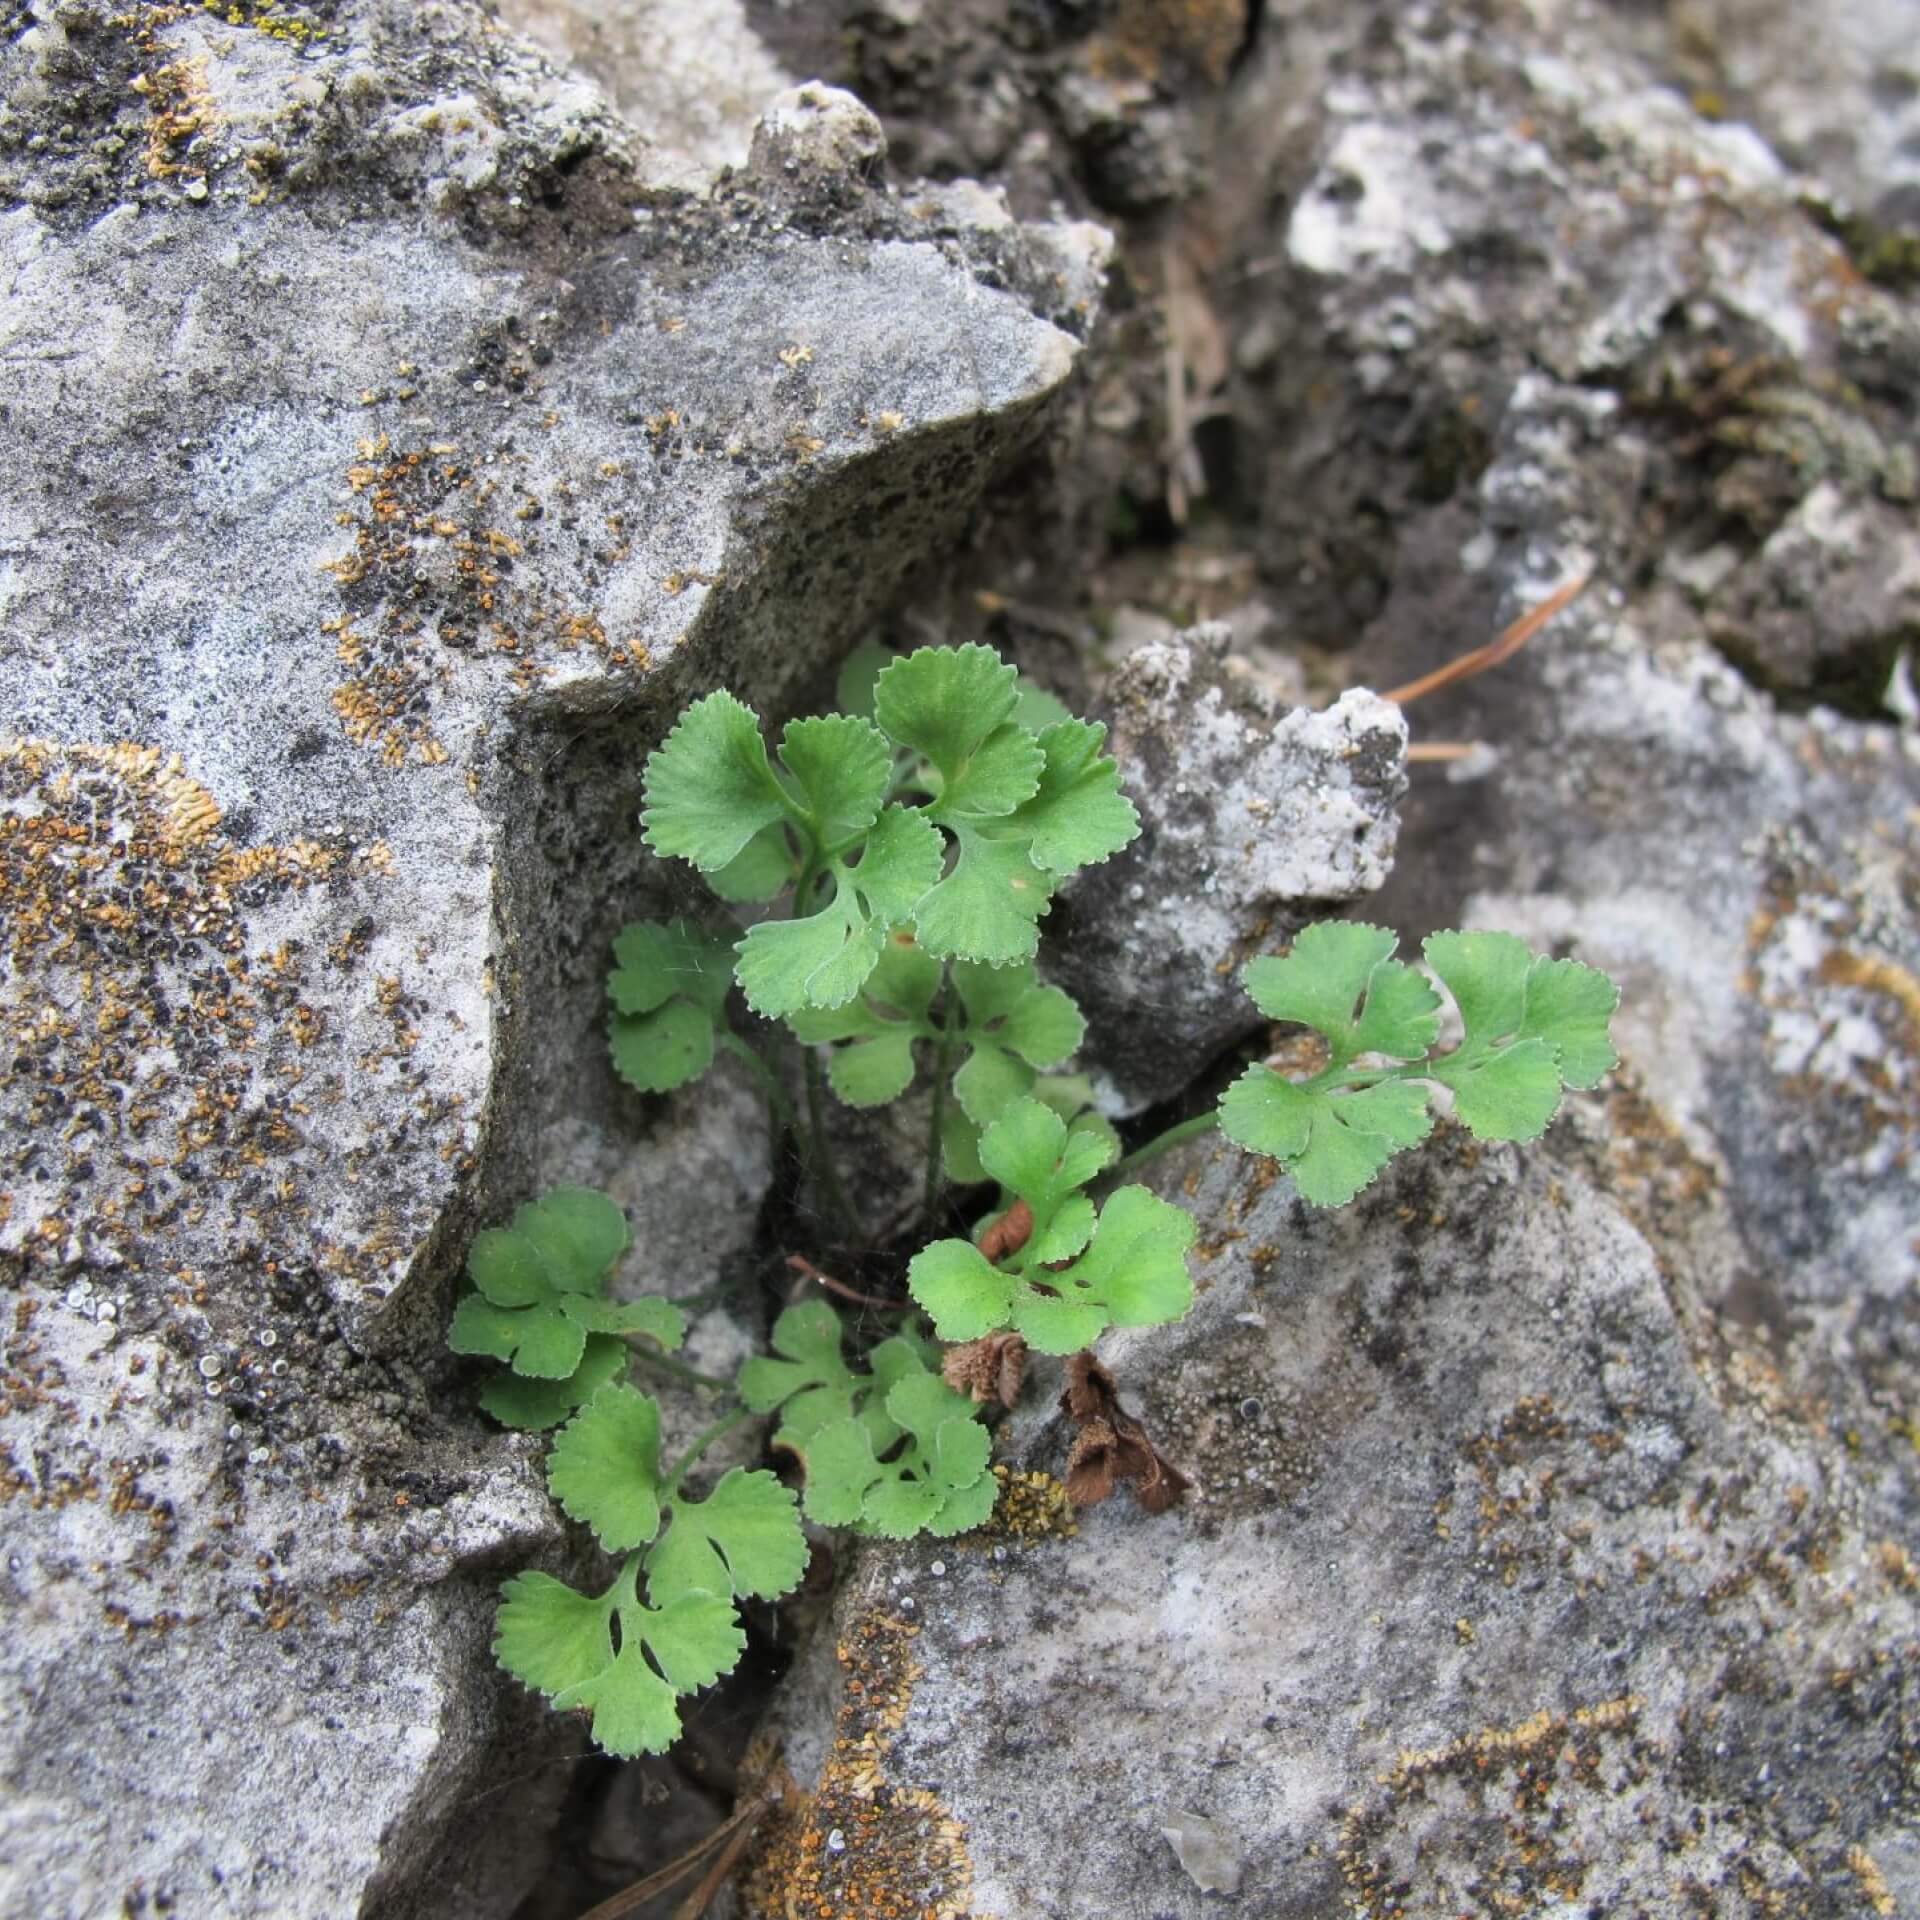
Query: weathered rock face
{"type": "Point", "coordinates": [1255, 819]}
{"type": "Point", "coordinates": [1505, 1587]}
{"type": "Point", "coordinates": [691, 80]}
{"type": "Point", "coordinates": [390, 457]}
{"type": "Point", "coordinates": [1840, 103]}
{"type": "Point", "coordinates": [1552, 1547]}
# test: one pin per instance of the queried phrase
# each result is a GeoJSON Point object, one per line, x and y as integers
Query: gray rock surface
{"type": "Point", "coordinates": [391, 457]}
{"type": "Point", "coordinates": [1255, 819]}
{"type": "Point", "coordinates": [1836, 95]}
{"type": "Point", "coordinates": [690, 77]}
{"type": "Point", "coordinates": [1552, 1549]}
{"type": "Point", "coordinates": [1508, 1585]}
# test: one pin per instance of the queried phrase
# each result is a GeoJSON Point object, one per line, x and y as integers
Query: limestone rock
{"type": "Point", "coordinates": [1255, 820]}
{"type": "Point", "coordinates": [391, 457]}
{"type": "Point", "coordinates": [690, 79]}
{"type": "Point", "coordinates": [816, 138]}
{"type": "Point", "coordinates": [1552, 1544]}
{"type": "Point", "coordinates": [1500, 1571]}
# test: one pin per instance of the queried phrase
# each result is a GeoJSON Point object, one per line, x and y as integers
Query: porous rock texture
{"type": "Point", "coordinates": [1508, 1585]}
{"type": "Point", "coordinates": [689, 76]}
{"type": "Point", "coordinates": [392, 450]}
{"type": "Point", "coordinates": [1255, 819]}
{"type": "Point", "coordinates": [1552, 1544]}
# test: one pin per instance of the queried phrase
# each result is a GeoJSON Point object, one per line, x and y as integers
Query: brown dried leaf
{"type": "Point", "coordinates": [1090, 1466]}
{"type": "Point", "coordinates": [1090, 1388]}
{"type": "Point", "coordinates": [988, 1369]}
{"type": "Point", "coordinates": [1113, 1446]}
{"type": "Point", "coordinates": [1009, 1233]}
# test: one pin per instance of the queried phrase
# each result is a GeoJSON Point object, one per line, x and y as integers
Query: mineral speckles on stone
{"type": "Point", "coordinates": [1842, 1017]}
{"type": "Point", "coordinates": [1253, 821]}
{"type": "Point", "coordinates": [1527, 1796]}
{"type": "Point", "coordinates": [1524, 1508]}
{"type": "Point", "coordinates": [440, 567]}
{"type": "Point", "coordinates": [861, 1843]}
{"type": "Point", "coordinates": [423, 322]}
{"type": "Point", "coordinates": [161, 1056]}
{"type": "Point", "coordinates": [219, 101]}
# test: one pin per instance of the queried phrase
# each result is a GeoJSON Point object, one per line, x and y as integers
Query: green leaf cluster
{"type": "Point", "coordinates": [1531, 1027]}
{"type": "Point", "coordinates": [940, 807]}
{"type": "Point", "coordinates": [625, 1659]}
{"type": "Point", "coordinates": [539, 1304]}
{"type": "Point", "coordinates": [668, 1001]}
{"type": "Point", "coordinates": [917, 838]}
{"type": "Point", "coordinates": [995, 1032]}
{"type": "Point", "coordinates": [893, 1451]}
{"type": "Point", "coordinates": [1081, 1269]}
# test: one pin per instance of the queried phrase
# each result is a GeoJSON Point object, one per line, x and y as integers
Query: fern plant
{"type": "Point", "coordinates": [906, 850]}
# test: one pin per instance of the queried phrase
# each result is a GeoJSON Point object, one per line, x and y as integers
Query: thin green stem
{"type": "Point", "coordinates": [824, 1167]}
{"type": "Point", "coordinates": [1201, 1123]}
{"type": "Point", "coordinates": [678, 1369]}
{"type": "Point", "coordinates": [701, 1443]}
{"type": "Point", "coordinates": [771, 1090]}
{"type": "Point", "coordinates": [698, 1302]}
{"type": "Point", "coordinates": [802, 1140]}
{"type": "Point", "coordinates": [942, 1061]}
{"type": "Point", "coordinates": [820, 1153]}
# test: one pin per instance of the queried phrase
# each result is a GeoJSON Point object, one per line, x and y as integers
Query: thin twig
{"type": "Point", "coordinates": [738, 1824]}
{"type": "Point", "coordinates": [697, 1902]}
{"type": "Point", "coordinates": [1495, 651]}
{"type": "Point", "coordinates": [1444, 749]}
{"type": "Point", "coordinates": [801, 1264]}
{"type": "Point", "coordinates": [1175, 450]}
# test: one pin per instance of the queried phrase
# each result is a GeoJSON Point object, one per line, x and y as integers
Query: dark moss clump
{"type": "Point", "coordinates": [1889, 256]}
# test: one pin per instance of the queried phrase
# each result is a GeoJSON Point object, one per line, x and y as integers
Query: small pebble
{"type": "Point", "coordinates": [938, 1569]}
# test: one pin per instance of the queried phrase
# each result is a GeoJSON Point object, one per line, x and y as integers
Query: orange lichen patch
{"type": "Point", "coordinates": [179, 111]}
{"type": "Point", "coordinates": [437, 571]}
{"type": "Point", "coordinates": [862, 1846]}
{"type": "Point", "coordinates": [137, 1024]}
{"type": "Point", "coordinates": [1873, 1883]}
{"type": "Point", "coordinates": [1030, 1506]}
{"type": "Point", "coordinates": [1652, 1167]}
{"type": "Point", "coordinates": [1524, 1777]}
{"type": "Point", "coordinates": [1843, 1032]}
{"type": "Point", "coordinates": [274, 24]}
{"type": "Point", "coordinates": [1843, 968]}
{"type": "Point", "coordinates": [1897, 1566]}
